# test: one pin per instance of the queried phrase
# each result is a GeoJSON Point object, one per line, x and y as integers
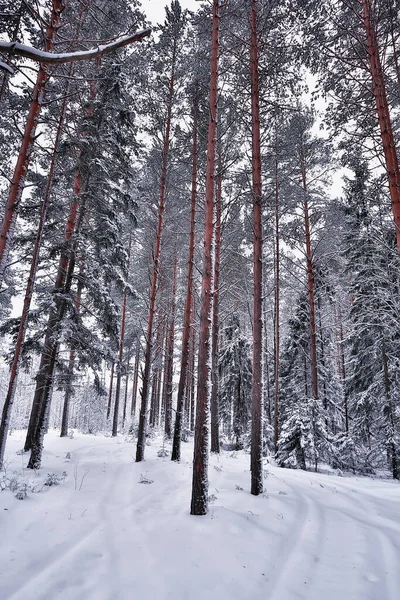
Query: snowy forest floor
{"type": "Point", "coordinates": [101, 534]}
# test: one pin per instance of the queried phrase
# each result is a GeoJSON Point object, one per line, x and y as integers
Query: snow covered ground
{"type": "Point", "coordinates": [103, 535]}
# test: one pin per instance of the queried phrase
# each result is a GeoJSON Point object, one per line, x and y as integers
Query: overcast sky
{"type": "Point", "coordinates": [155, 12]}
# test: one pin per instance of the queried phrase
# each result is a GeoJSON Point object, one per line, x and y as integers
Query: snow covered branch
{"type": "Point", "coordinates": [48, 57]}
{"type": "Point", "coordinates": [6, 67]}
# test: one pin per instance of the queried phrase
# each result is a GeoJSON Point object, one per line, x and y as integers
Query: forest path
{"type": "Point", "coordinates": [103, 535]}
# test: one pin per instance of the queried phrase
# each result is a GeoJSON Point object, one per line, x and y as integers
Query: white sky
{"type": "Point", "coordinates": [155, 11]}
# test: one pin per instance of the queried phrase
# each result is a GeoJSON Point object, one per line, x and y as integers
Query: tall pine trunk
{"type": "Point", "coordinates": [215, 328]}
{"type": "Point", "coordinates": [382, 109]}
{"type": "Point", "coordinates": [277, 309]}
{"type": "Point", "coordinates": [156, 268]}
{"type": "Point", "coordinates": [121, 348]}
{"type": "Point", "coordinates": [170, 357]}
{"type": "Point", "coordinates": [45, 377]}
{"type": "Point", "coordinates": [8, 403]}
{"type": "Point", "coordinates": [110, 392]}
{"type": "Point", "coordinates": [28, 141]}
{"type": "Point", "coordinates": [183, 377]}
{"type": "Point", "coordinates": [135, 381]}
{"type": "Point", "coordinates": [256, 423]}
{"type": "Point", "coordinates": [310, 284]}
{"type": "Point", "coordinates": [71, 362]}
{"type": "Point", "coordinates": [199, 501]}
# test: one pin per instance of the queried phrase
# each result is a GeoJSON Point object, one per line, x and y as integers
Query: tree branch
{"type": "Point", "coordinates": [47, 57]}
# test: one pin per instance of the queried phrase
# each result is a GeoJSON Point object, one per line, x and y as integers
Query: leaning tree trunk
{"type": "Point", "coordinates": [8, 403]}
{"type": "Point", "coordinates": [199, 501]}
{"type": "Point", "coordinates": [215, 328]}
{"type": "Point", "coordinates": [176, 446]}
{"type": "Point", "coordinates": [121, 349]}
{"type": "Point", "coordinates": [382, 109]}
{"type": "Point", "coordinates": [256, 423]}
{"type": "Point", "coordinates": [310, 285]}
{"type": "Point", "coordinates": [156, 268]}
{"type": "Point", "coordinates": [28, 141]}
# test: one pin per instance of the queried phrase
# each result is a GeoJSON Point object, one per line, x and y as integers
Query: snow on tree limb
{"type": "Point", "coordinates": [6, 67]}
{"type": "Point", "coordinates": [48, 57]}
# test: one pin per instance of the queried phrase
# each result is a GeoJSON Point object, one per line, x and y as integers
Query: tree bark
{"type": "Point", "coordinates": [310, 280]}
{"type": "Point", "coordinates": [170, 357]}
{"type": "Point", "coordinates": [256, 425]}
{"type": "Point", "coordinates": [121, 348]}
{"type": "Point", "coordinates": [54, 317]}
{"type": "Point", "coordinates": [135, 381]}
{"type": "Point", "coordinates": [21, 168]}
{"type": "Point", "coordinates": [382, 109]}
{"type": "Point", "coordinates": [277, 309]}
{"type": "Point", "coordinates": [156, 267]}
{"type": "Point", "coordinates": [176, 446]}
{"type": "Point", "coordinates": [110, 393]}
{"type": "Point", "coordinates": [199, 501]}
{"type": "Point", "coordinates": [8, 403]}
{"type": "Point", "coordinates": [215, 328]}
{"type": "Point", "coordinates": [71, 361]}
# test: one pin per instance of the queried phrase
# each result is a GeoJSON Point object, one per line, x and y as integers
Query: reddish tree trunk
{"type": "Point", "coordinates": [256, 424]}
{"type": "Point", "coordinates": [7, 408]}
{"type": "Point", "coordinates": [382, 109]}
{"type": "Point", "coordinates": [176, 446]}
{"type": "Point", "coordinates": [121, 349]}
{"type": "Point", "coordinates": [161, 337]}
{"type": "Point", "coordinates": [21, 168]}
{"type": "Point", "coordinates": [156, 268]}
{"type": "Point", "coordinates": [277, 311]}
{"type": "Point", "coordinates": [199, 501]}
{"type": "Point", "coordinates": [215, 328]}
{"type": "Point", "coordinates": [310, 280]}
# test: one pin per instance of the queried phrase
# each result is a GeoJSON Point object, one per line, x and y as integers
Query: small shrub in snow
{"type": "Point", "coordinates": [212, 498]}
{"type": "Point", "coordinates": [145, 480]}
{"type": "Point", "coordinates": [54, 479]}
{"type": "Point", "coordinates": [71, 434]}
{"type": "Point", "coordinates": [163, 453]}
{"type": "Point", "coordinates": [239, 487]}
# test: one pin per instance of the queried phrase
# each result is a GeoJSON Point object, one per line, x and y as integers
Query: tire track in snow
{"type": "Point", "coordinates": [298, 556]}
